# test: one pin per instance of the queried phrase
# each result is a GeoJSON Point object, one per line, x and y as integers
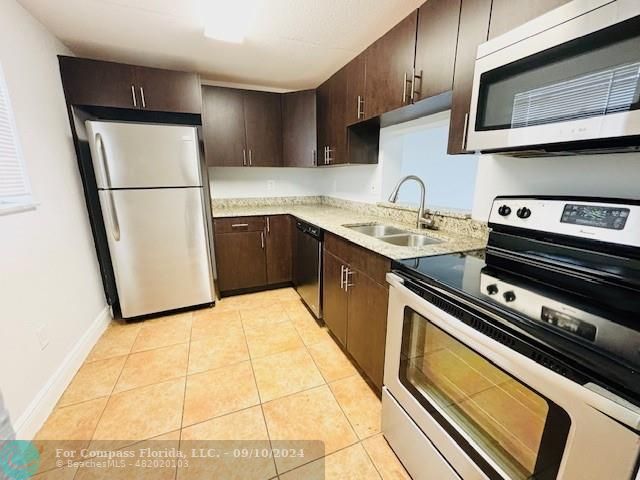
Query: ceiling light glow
{"type": "Point", "coordinates": [228, 20]}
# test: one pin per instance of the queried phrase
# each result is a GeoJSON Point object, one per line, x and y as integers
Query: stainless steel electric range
{"type": "Point", "coordinates": [522, 360]}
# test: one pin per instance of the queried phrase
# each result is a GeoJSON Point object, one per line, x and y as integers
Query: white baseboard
{"type": "Point", "coordinates": [43, 404]}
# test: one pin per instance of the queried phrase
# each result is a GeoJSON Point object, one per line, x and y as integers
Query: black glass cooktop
{"type": "Point", "coordinates": [593, 323]}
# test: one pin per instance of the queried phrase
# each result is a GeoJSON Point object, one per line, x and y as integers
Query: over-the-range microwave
{"type": "Point", "coordinates": [567, 81]}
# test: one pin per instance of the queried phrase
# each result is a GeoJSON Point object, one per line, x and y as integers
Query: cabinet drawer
{"type": "Point", "coordinates": [337, 246]}
{"type": "Point", "coordinates": [238, 224]}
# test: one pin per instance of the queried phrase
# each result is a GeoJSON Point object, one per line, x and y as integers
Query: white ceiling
{"type": "Point", "coordinates": [293, 44]}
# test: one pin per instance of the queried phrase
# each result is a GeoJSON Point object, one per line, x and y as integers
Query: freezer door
{"type": "Point", "coordinates": [159, 249]}
{"type": "Point", "coordinates": [138, 155]}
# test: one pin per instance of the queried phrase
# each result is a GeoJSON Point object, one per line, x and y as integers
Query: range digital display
{"type": "Point", "coordinates": [613, 218]}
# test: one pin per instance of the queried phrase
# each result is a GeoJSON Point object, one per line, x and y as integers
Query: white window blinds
{"type": "Point", "coordinates": [14, 186]}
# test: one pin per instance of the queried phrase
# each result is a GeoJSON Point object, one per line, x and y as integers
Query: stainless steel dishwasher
{"type": "Point", "coordinates": [308, 265]}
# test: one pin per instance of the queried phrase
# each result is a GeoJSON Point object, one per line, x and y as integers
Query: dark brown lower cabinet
{"type": "Point", "coordinates": [367, 324]}
{"type": "Point", "coordinates": [279, 247]}
{"type": "Point", "coordinates": [334, 297]}
{"type": "Point", "coordinates": [355, 299]}
{"type": "Point", "coordinates": [240, 260]}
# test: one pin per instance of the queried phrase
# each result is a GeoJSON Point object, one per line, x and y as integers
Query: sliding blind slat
{"type": "Point", "coordinates": [13, 179]}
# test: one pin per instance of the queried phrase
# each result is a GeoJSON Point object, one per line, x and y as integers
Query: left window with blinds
{"type": "Point", "coordinates": [15, 191]}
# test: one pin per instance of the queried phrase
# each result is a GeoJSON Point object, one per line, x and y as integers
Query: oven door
{"type": "Point", "coordinates": [572, 75]}
{"type": "Point", "coordinates": [490, 411]}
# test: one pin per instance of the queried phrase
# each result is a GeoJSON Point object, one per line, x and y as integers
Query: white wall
{"type": "Point", "coordinates": [48, 269]}
{"type": "Point", "coordinates": [612, 175]}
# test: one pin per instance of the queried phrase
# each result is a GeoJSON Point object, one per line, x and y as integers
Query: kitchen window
{"type": "Point", "coordinates": [15, 192]}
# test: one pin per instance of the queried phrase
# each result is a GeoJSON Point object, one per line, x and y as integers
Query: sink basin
{"type": "Point", "coordinates": [410, 240]}
{"type": "Point", "coordinates": [376, 230]}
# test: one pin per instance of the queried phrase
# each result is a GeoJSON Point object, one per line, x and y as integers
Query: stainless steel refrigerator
{"type": "Point", "coordinates": [150, 186]}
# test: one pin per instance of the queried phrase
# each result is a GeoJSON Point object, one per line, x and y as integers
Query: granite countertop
{"type": "Point", "coordinates": [332, 219]}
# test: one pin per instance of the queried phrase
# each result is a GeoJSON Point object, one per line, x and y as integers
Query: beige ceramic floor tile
{"type": "Point", "coordinates": [213, 353]}
{"type": "Point", "coordinates": [93, 380]}
{"type": "Point", "coordinates": [295, 307]}
{"type": "Point", "coordinates": [116, 341]}
{"type": "Point", "coordinates": [285, 373]}
{"type": "Point", "coordinates": [351, 463]}
{"type": "Point", "coordinates": [309, 415]}
{"type": "Point", "coordinates": [214, 324]}
{"type": "Point", "coordinates": [331, 361]}
{"type": "Point", "coordinates": [260, 317]}
{"type": "Point", "coordinates": [163, 332]}
{"type": "Point", "coordinates": [217, 392]}
{"type": "Point", "coordinates": [153, 366]}
{"type": "Point", "coordinates": [360, 404]}
{"type": "Point", "coordinates": [274, 339]}
{"type": "Point", "coordinates": [384, 459]}
{"type": "Point", "coordinates": [143, 413]}
{"type": "Point", "coordinates": [309, 330]}
{"type": "Point", "coordinates": [240, 430]}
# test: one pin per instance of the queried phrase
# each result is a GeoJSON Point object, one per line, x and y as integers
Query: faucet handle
{"type": "Point", "coordinates": [429, 223]}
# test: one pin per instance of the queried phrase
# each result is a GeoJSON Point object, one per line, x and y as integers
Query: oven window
{"type": "Point", "coordinates": [521, 431]}
{"type": "Point", "coordinates": [595, 75]}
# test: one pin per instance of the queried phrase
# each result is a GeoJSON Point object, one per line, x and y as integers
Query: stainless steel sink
{"type": "Point", "coordinates": [410, 240]}
{"type": "Point", "coordinates": [394, 236]}
{"type": "Point", "coordinates": [376, 230]}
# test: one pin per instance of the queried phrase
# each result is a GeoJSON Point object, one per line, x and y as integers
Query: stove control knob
{"type": "Point", "coordinates": [509, 296]}
{"type": "Point", "coordinates": [504, 210]}
{"type": "Point", "coordinates": [523, 212]}
{"type": "Point", "coordinates": [492, 289]}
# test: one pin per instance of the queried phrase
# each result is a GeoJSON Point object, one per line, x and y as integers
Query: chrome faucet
{"type": "Point", "coordinates": [421, 221]}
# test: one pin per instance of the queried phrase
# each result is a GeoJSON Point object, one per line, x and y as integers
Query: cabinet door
{"type": "Point", "coordinates": [240, 260]}
{"type": "Point", "coordinates": [367, 326]}
{"type": "Point", "coordinates": [436, 42]}
{"type": "Point", "coordinates": [473, 30]}
{"type": "Point", "coordinates": [389, 63]}
{"type": "Point", "coordinates": [263, 124]}
{"type": "Point", "coordinates": [334, 298]}
{"type": "Point", "coordinates": [338, 128]}
{"type": "Point", "coordinates": [323, 118]}
{"type": "Point", "coordinates": [223, 127]}
{"type": "Point", "coordinates": [355, 98]}
{"type": "Point", "coordinates": [299, 129]}
{"type": "Point", "coordinates": [168, 90]}
{"type": "Point", "coordinates": [92, 82]}
{"type": "Point", "coordinates": [508, 14]}
{"type": "Point", "coordinates": [279, 249]}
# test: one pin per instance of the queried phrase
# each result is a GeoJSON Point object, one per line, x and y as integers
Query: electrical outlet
{"type": "Point", "coordinates": [42, 332]}
{"type": "Point", "coordinates": [271, 185]}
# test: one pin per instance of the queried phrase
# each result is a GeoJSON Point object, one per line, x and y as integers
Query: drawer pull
{"type": "Point", "coordinates": [239, 225]}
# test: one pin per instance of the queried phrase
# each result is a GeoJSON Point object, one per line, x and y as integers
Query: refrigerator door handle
{"type": "Point", "coordinates": [103, 160]}
{"type": "Point", "coordinates": [113, 214]}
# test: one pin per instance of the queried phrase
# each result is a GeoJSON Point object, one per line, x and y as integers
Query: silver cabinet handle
{"type": "Point", "coordinates": [404, 89]}
{"type": "Point", "coordinates": [325, 155]}
{"type": "Point", "coordinates": [133, 96]}
{"type": "Point", "coordinates": [239, 225]}
{"type": "Point", "coordinates": [347, 275]}
{"type": "Point", "coordinates": [115, 224]}
{"type": "Point", "coordinates": [144, 104]}
{"type": "Point", "coordinates": [244, 157]}
{"type": "Point", "coordinates": [250, 158]}
{"type": "Point", "coordinates": [464, 131]}
{"type": "Point", "coordinates": [360, 103]}
{"type": "Point", "coordinates": [342, 269]}
{"type": "Point", "coordinates": [413, 84]}
{"type": "Point", "coordinates": [262, 239]}
{"type": "Point", "coordinates": [314, 156]}
{"type": "Point", "coordinates": [329, 150]}
{"type": "Point", "coordinates": [268, 226]}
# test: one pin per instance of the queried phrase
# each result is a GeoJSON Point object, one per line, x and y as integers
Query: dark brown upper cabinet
{"type": "Point", "coordinates": [108, 84]}
{"type": "Point", "coordinates": [389, 68]}
{"type": "Point", "coordinates": [263, 124]}
{"type": "Point", "coordinates": [242, 127]}
{"type": "Point", "coordinates": [436, 43]}
{"type": "Point", "coordinates": [223, 126]}
{"type": "Point", "coordinates": [331, 127]}
{"type": "Point", "coordinates": [356, 84]}
{"type": "Point", "coordinates": [299, 136]}
{"type": "Point", "coordinates": [473, 30]}
{"type": "Point", "coordinates": [508, 14]}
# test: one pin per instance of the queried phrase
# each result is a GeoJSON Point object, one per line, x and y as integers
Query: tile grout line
{"type": "Point", "coordinates": [184, 395]}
